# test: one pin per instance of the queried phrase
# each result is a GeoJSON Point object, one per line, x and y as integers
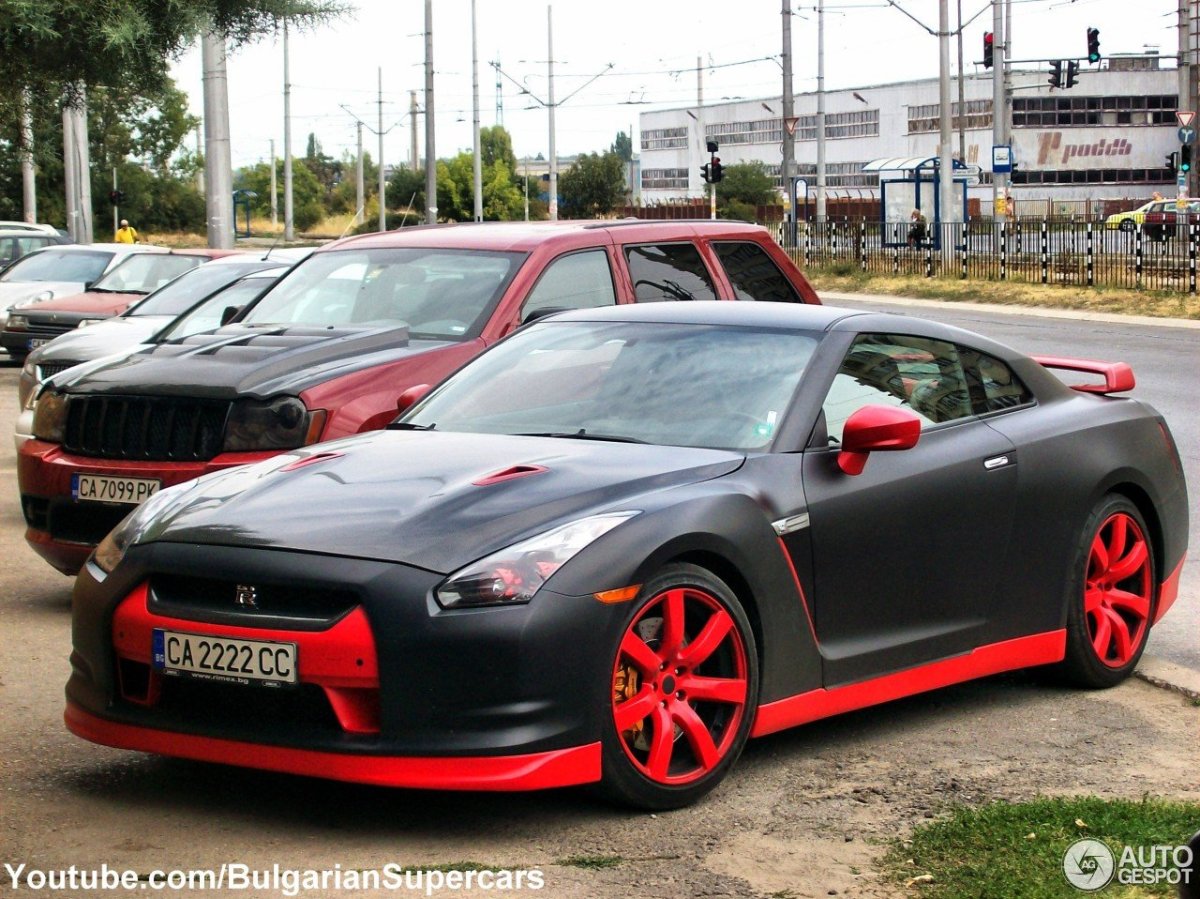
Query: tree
{"type": "Point", "coordinates": [623, 147]}
{"type": "Point", "coordinates": [746, 185]}
{"type": "Point", "coordinates": [307, 192]}
{"type": "Point", "coordinates": [495, 145]}
{"type": "Point", "coordinates": [593, 186]}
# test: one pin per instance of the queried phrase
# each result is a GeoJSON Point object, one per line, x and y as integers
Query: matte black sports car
{"type": "Point", "coordinates": [621, 542]}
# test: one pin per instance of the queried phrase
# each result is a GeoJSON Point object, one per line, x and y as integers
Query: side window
{"type": "Point", "coordinates": [576, 281]}
{"type": "Point", "coordinates": [753, 274]}
{"type": "Point", "coordinates": [916, 373]}
{"type": "Point", "coordinates": [1002, 389]}
{"type": "Point", "coordinates": [671, 271]}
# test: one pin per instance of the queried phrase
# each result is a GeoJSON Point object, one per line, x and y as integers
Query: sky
{"type": "Point", "coordinates": [651, 45]}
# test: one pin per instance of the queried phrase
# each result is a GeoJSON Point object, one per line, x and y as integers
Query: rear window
{"type": "Point", "coordinates": [753, 274]}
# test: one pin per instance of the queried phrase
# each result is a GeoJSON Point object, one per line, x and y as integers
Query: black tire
{"type": "Point", "coordinates": [629, 755]}
{"type": "Point", "coordinates": [1110, 594]}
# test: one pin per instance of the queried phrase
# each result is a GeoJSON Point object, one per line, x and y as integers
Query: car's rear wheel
{"type": "Point", "coordinates": [1112, 596]}
{"type": "Point", "coordinates": [684, 684]}
{"type": "Point", "coordinates": [1127, 225]}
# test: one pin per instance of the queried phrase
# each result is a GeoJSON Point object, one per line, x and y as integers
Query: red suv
{"type": "Point", "coordinates": [329, 350]}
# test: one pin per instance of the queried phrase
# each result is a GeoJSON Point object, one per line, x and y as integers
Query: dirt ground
{"type": "Point", "coordinates": [805, 813]}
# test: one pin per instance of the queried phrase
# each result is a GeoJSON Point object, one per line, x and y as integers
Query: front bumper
{"type": "Point", "coordinates": [62, 530]}
{"type": "Point", "coordinates": [393, 689]}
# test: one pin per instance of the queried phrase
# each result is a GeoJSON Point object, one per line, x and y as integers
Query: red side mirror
{"type": "Point", "coordinates": [410, 397]}
{"type": "Point", "coordinates": [876, 428]}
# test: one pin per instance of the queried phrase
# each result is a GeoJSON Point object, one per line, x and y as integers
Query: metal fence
{"type": "Point", "coordinates": [1045, 251]}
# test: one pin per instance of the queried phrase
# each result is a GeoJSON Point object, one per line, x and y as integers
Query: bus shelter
{"type": "Point", "coordinates": [911, 210]}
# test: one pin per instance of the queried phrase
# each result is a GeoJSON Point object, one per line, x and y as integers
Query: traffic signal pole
{"type": "Point", "coordinates": [999, 52]}
{"type": "Point", "coordinates": [116, 206]}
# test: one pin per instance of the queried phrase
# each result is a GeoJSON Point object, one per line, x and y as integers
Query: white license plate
{"type": "Point", "coordinates": [224, 658]}
{"type": "Point", "coordinates": [35, 342]}
{"type": "Point", "coordinates": [99, 488]}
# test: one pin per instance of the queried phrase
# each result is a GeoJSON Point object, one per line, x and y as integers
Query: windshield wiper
{"type": "Point", "coordinates": [583, 434]}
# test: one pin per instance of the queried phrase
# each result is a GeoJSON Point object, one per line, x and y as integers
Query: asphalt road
{"type": "Point", "coordinates": [1164, 360]}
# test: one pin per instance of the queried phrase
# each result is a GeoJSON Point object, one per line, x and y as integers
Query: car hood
{"type": "Point", "coordinates": [100, 302]}
{"type": "Point", "coordinates": [101, 339]}
{"type": "Point", "coordinates": [19, 291]}
{"type": "Point", "coordinates": [258, 361]}
{"type": "Point", "coordinates": [423, 498]}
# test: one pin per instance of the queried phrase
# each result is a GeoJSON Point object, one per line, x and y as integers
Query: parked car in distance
{"type": "Point", "coordinates": [1164, 218]}
{"type": "Point", "coordinates": [60, 271]}
{"type": "Point", "coordinates": [191, 303]}
{"type": "Point", "coordinates": [621, 542]}
{"type": "Point", "coordinates": [329, 350]}
{"type": "Point", "coordinates": [35, 226]}
{"type": "Point", "coordinates": [31, 325]}
{"type": "Point", "coordinates": [1130, 218]}
{"type": "Point", "coordinates": [15, 243]}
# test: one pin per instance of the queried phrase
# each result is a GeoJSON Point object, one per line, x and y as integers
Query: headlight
{"type": "Point", "coordinates": [50, 417]}
{"type": "Point", "coordinates": [514, 574]}
{"type": "Point", "coordinates": [278, 424]}
{"type": "Point", "coordinates": [18, 322]}
{"type": "Point", "coordinates": [113, 547]}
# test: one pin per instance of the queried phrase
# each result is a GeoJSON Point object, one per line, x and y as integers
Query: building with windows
{"type": "Point", "coordinates": [1107, 137]}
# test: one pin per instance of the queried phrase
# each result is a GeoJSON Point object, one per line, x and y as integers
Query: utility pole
{"type": "Point", "coordinates": [115, 205]}
{"type": "Point", "coordinates": [219, 201]}
{"type": "Point", "coordinates": [414, 155]}
{"type": "Point", "coordinates": [382, 176]}
{"type": "Point", "coordinates": [274, 190]}
{"type": "Point", "coordinates": [550, 105]}
{"type": "Point", "coordinates": [478, 166]}
{"type": "Point", "coordinates": [1186, 64]}
{"type": "Point", "coordinates": [70, 172]}
{"type": "Point", "coordinates": [430, 144]}
{"type": "Point", "coordinates": [289, 228]}
{"type": "Point", "coordinates": [962, 102]}
{"type": "Point", "coordinates": [359, 186]}
{"type": "Point", "coordinates": [199, 168]}
{"type": "Point", "coordinates": [78, 167]}
{"type": "Point", "coordinates": [999, 55]}
{"type": "Point", "coordinates": [820, 110]}
{"type": "Point", "coordinates": [945, 153]}
{"type": "Point", "coordinates": [28, 176]}
{"type": "Point", "coordinates": [789, 110]}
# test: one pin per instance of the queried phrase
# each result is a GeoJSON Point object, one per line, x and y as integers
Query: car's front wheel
{"type": "Point", "coordinates": [684, 688]}
{"type": "Point", "coordinates": [1111, 597]}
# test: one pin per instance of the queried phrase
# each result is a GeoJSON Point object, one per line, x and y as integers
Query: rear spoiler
{"type": "Point", "coordinates": [1118, 376]}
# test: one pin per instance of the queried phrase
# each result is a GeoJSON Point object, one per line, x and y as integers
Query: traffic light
{"type": "Point", "coordinates": [1072, 71]}
{"type": "Point", "coordinates": [117, 197]}
{"type": "Point", "coordinates": [705, 173]}
{"type": "Point", "coordinates": [1093, 35]}
{"type": "Point", "coordinates": [988, 48]}
{"type": "Point", "coordinates": [1173, 162]}
{"type": "Point", "coordinates": [718, 171]}
{"type": "Point", "coordinates": [1056, 73]}
{"type": "Point", "coordinates": [1185, 158]}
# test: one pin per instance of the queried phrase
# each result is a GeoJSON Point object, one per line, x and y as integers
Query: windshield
{"type": "Point", "coordinates": [207, 316]}
{"type": "Point", "coordinates": [192, 286]}
{"type": "Point", "coordinates": [441, 294]}
{"type": "Point", "coordinates": [670, 384]}
{"type": "Point", "coordinates": [58, 265]}
{"type": "Point", "coordinates": [144, 272]}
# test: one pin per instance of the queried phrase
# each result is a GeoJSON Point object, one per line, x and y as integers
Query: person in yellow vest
{"type": "Point", "coordinates": [126, 233]}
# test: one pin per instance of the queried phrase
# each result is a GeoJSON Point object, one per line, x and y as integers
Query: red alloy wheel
{"type": "Point", "coordinates": [1118, 590]}
{"type": "Point", "coordinates": [680, 686]}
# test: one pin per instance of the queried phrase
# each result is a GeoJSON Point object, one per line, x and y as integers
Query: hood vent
{"type": "Point", "coordinates": [509, 474]}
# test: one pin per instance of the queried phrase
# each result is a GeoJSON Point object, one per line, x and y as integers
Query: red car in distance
{"type": "Point", "coordinates": [33, 325]}
{"type": "Point", "coordinates": [336, 345]}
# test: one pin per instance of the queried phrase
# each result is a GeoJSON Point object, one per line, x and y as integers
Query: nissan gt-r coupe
{"type": "Point", "coordinates": [621, 542]}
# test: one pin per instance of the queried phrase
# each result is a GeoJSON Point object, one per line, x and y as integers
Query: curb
{"type": "Point", "coordinates": [1169, 676]}
{"type": "Point", "coordinates": [1001, 309]}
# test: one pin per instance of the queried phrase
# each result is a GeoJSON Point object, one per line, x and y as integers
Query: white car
{"type": "Point", "coordinates": [60, 271]}
{"type": "Point", "coordinates": [30, 226]}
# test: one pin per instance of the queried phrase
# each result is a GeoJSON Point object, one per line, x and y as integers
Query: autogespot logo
{"type": "Point", "coordinates": [1088, 865]}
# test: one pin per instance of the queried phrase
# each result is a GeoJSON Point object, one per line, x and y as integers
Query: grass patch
{"type": "Point", "coordinates": [1158, 303]}
{"type": "Point", "coordinates": [1008, 850]}
{"type": "Point", "coordinates": [447, 867]}
{"type": "Point", "coordinates": [593, 862]}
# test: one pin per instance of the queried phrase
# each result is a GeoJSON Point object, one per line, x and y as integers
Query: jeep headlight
{"type": "Point", "coordinates": [50, 417]}
{"type": "Point", "coordinates": [514, 574]}
{"type": "Point", "coordinates": [279, 424]}
{"type": "Point", "coordinates": [18, 322]}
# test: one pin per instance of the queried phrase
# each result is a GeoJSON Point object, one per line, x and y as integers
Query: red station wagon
{"type": "Point", "coordinates": [335, 346]}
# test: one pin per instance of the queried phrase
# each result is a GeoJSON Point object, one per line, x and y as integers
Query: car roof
{"type": "Point", "coordinates": [792, 316]}
{"type": "Point", "coordinates": [526, 236]}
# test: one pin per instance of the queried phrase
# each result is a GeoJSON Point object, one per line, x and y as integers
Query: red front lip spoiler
{"type": "Point", "coordinates": [533, 771]}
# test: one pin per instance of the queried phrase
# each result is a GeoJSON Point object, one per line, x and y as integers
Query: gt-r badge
{"type": "Point", "coordinates": [246, 596]}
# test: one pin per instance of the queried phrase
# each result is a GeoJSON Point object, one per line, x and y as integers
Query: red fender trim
{"type": "Point", "coordinates": [1009, 655]}
{"type": "Point", "coordinates": [534, 771]}
{"type": "Point", "coordinates": [1168, 592]}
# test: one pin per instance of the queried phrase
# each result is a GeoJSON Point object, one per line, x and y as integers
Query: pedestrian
{"type": "Point", "coordinates": [127, 233]}
{"type": "Point", "coordinates": [916, 228]}
{"type": "Point", "coordinates": [1010, 206]}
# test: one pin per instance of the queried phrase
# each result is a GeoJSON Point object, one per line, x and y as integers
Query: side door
{"type": "Point", "coordinates": [908, 555]}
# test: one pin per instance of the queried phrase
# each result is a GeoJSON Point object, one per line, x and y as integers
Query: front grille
{"type": "Point", "coordinates": [297, 712]}
{"type": "Point", "coordinates": [49, 329]}
{"type": "Point", "coordinates": [136, 427]}
{"type": "Point", "coordinates": [300, 607]}
{"type": "Point", "coordinates": [47, 370]}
